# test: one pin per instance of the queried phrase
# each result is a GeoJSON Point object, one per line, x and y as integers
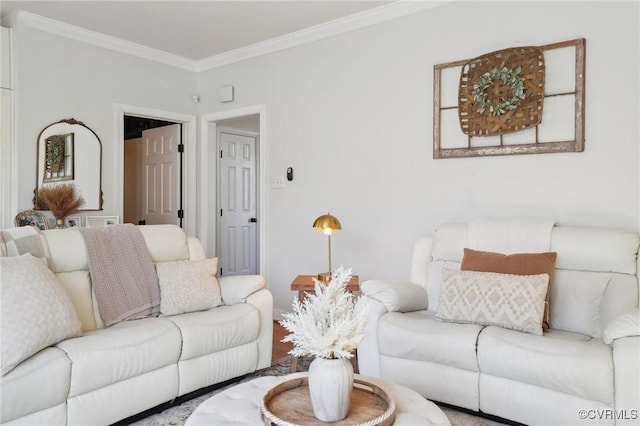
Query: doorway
{"type": "Point", "coordinates": [152, 190]}
{"type": "Point", "coordinates": [245, 121]}
{"type": "Point", "coordinates": [237, 230]}
{"type": "Point", "coordinates": [190, 160]}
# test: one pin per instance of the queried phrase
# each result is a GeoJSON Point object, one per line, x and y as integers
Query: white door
{"type": "Point", "coordinates": [237, 203]}
{"type": "Point", "coordinates": [160, 175]}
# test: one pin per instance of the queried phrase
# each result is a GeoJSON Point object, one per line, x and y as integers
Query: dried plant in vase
{"type": "Point", "coordinates": [328, 325]}
{"type": "Point", "coordinates": [62, 200]}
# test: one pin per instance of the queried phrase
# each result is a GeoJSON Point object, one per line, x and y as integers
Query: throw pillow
{"type": "Point", "coordinates": [188, 286]}
{"type": "Point", "coordinates": [488, 298]}
{"type": "Point", "coordinates": [35, 310]}
{"type": "Point", "coordinates": [517, 264]}
{"type": "Point", "coordinates": [23, 240]}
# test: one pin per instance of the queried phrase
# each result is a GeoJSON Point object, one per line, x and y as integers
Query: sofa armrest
{"type": "Point", "coordinates": [236, 289]}
{"type": "Point", "coordinates": [626, 352]}
{"type": "Point", "coordinates": [368, 351]}
{"type": "Point", "coordinates": [396, 296]}
{"type": "Point", "coordinates": [262, 300]}
{"type": "Point", "coordinates": [625, 325]}
{"type": "Point", "coordinates": [196, 250]}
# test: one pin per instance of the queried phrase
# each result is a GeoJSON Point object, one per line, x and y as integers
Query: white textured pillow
{"type": "Point", "coordinates": [35, 310]}
{"type": "Point", "coordinates": [488, 298]}
{"type": "Point", "coordinates": [188, 286]}
{"type": "Point", "coordinates": [25, 239]}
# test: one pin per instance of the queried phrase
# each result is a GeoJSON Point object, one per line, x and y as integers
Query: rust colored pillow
{"type": "Point", "coordinates": [517, 264]}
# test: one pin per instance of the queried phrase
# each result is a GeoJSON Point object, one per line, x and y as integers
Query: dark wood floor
{"type": "Point", "coordinates": [279, 349]}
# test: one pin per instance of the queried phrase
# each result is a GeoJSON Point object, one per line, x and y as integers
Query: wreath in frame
{"type": "Point", "coordinates": [508, 76]}
{"type": "Point", "coordinates": [501, 92]}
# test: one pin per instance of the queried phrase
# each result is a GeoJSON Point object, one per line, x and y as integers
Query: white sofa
{"type": "Point", "coordinates": [568, 375]}
{"type": "Point", "coordinates": [109, 374]}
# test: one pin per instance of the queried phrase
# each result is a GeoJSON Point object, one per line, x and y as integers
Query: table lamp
{"type": "Point", "coordinates": [327, 224]}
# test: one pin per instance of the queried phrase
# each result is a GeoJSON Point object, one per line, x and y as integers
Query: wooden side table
{"type": "Point", "coordinates": [305, 283]}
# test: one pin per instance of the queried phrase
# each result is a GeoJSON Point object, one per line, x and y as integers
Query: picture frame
{"type": "Point", "coordinates": [101, 221]}
{"type": "Point", "coordinates": [560, 131]}
{"type": "Point", "coordinates": [32, 218]}
{"type": "Point", "coordinates": [72, 221]}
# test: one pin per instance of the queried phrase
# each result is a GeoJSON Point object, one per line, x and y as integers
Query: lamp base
{"type": "Point", "coordinates": [324, 277]}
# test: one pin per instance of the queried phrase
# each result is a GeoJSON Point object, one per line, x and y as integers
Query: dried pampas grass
{"type": "Point", "coordinates": [62, 200]}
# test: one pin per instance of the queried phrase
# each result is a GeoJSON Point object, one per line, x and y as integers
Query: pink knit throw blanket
{"type": "Point", "coordinates": [123, 276]}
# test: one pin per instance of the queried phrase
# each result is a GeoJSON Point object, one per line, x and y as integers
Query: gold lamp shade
{"type": "Point", "coordinates": [327, 224]}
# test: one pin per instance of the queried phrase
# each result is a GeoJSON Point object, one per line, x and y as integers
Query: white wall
{"type": "Point", "coordinates": [353, 116]}
{"type": "Point", "coordinates": [6, 128]}
{"type": "Point", "coordinates": [58, 78]}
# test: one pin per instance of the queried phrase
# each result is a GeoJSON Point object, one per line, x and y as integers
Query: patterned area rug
{"type": "Point", "coordinates": [178, 414]}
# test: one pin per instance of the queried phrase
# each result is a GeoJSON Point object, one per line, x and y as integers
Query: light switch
{"type": "Point", "coordinates": [277, 182]}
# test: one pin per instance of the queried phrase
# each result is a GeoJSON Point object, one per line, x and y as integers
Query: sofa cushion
{"type": "Point", "coordinates": [217, 329]}
{"type": "Point", "coordinates": [35, 310]}
{"type": "Point", "coordinates": [188, 286]}
{"type": "Point", "coordinates": [517, 263]}
{"type": "Point", "coordinates": [488, 298]}
{"type": "Point", "coordinates": [577, 301]}
{"type": "Point", "coordinates": [124, 350]}
{"type": "Point", "coordinates": [431, 340]}
{"type": "Point", "coordinates": [78, 287]}
{"type": "Point", "coordinates": [564, 362]}
{"type": "Point", "coordinates": [38, 383]}
{"type": "Point", "coordinates": [67, 250]}
{"type": "Point", "coordinates": [165, 242]}
{"type": "Point", "coordinates": [597, 250]}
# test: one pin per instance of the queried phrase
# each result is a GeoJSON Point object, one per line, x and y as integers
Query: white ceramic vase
{"type": "Point", "coordinates": [330, 386]}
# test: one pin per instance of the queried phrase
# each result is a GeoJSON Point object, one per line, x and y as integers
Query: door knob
{"type": "Point", "coordinates": [253, 220]}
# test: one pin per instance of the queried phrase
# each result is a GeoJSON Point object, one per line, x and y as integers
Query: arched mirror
{"type": "Point", "coordinates": [70, 152]}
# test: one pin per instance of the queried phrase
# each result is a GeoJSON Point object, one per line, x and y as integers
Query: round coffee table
{"type": "Point", "coordinates": [240, 404]}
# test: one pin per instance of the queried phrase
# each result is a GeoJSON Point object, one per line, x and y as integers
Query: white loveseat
{"type": "Point", "coordinates": [584, 370]}
{"type": "Point", "coordinates": [112, 373]}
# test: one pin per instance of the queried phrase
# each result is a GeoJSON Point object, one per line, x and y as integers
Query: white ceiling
{"type": "Point", "coordinates": [194, 30]}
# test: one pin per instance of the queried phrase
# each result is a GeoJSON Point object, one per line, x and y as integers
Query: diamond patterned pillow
{"type": "Point", "coordinates": [36, 311]}
{"type": "Point", "coordinates": [488, 298]}
{"type": "Point", "coordinates": [517, 263]}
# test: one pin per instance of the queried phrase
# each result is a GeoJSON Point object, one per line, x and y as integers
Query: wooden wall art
{"type": "Point", "coordinates": [493, 104]}
{"type": "Point", "coordinates": [58, 157]}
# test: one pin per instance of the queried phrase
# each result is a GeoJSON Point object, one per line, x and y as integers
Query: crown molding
{"type": "Point", "coordinates": [94, 38]}
{"type": "Point", "coordinates": [367, 18]}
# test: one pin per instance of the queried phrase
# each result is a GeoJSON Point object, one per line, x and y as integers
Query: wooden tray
{"type": "Point", "coordinates": [289, 404]}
